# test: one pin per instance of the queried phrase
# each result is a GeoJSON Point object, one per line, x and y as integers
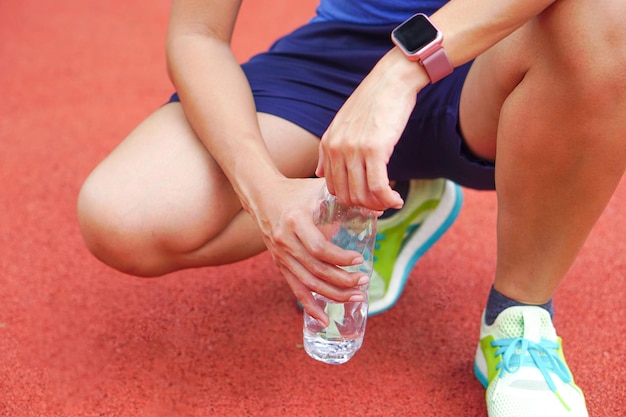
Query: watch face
{"type": "Point", "coordinates": [416, 33]}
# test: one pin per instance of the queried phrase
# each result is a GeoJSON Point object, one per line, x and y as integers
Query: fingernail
{"type": "Point", "coordinates": [358, 260]}
{"type": "Point", "coordinates": [323, 323]}
{"type": "Point", "coordinates": [357, 298]}
{"type": "Point", "coordinates": [363, 280]}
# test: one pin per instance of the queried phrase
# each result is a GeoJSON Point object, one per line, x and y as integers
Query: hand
{"type": "Point", "coordinates": [356, 148]}
{"type": "Point", "coordinates": [306, 259]}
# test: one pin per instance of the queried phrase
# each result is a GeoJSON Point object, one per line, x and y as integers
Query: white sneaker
{"type": "Point", "coordinates": [520, 361]}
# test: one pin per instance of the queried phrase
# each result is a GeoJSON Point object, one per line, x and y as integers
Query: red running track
{"type": "Point", "coordinates": [79, 339]}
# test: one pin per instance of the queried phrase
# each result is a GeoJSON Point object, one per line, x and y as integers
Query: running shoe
{"type": "Point", "coordinates": [520, 362]}
{"type": "Point", "coordinates": [430, 208]}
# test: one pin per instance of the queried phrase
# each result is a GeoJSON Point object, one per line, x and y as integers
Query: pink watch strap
{"type": "Point", "coordinates": [437, 65]}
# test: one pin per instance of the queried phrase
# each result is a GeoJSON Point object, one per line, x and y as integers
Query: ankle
{"type": "Point", "coordinates": [498, 302]}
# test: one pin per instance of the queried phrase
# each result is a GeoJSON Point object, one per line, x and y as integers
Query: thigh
{"type": "Point", "coordinates": [492, 77]}
{"type": "Point", "coordinates": [577, 45]}
{"type": "Point", "coordinates": [161, 185]}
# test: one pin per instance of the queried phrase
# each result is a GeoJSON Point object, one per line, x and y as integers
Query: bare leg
{"type": "Point", "coordinates": [160, 203]}
{"type": "Point", "coordinates": [555, 97]}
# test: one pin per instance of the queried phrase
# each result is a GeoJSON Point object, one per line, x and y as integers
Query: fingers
{"type": "Point", "coordinates": [357, 176]}
{"type": "Point", "coordinates": [303, 282]}
{"type": "Point", "coordinates": [378, 183]}
{"type": "Point", "coordinates": [309, 264]}
{"type": "Point", "coordinates": [315, 261]}
{"type": "Point", "coordinates": [319, 170]}
{"type": "Point", "coordinates": [304, 295]}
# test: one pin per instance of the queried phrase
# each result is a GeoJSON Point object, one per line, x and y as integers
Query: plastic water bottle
{"type": "Point", "coordinates": [352, 228]}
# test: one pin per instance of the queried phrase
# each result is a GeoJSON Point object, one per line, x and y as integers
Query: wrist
{"type": "Point", "coordinates": [251, 174]}
{"type": "Point", "coordinates": [421, 41]}
{"type": "Point", "coordinates": [412, 75]}
{"type": "Point", "coordinates": [254, 193]}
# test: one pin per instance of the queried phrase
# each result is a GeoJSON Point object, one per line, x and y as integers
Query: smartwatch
{"type": "Point", "coordinates": [421, 41]}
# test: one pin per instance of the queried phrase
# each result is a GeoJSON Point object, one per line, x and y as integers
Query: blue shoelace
{"type": "Point", "coordinates": [518, 352]}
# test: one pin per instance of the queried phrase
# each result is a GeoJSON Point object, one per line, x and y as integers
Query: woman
{"type": "Point", "coordinates": [224, 170]}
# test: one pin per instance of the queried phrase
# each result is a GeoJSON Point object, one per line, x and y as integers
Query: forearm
{"type": "Point", "coordinates": [469, 28]}
{"type": "Point", "coordinates": [219, 106]}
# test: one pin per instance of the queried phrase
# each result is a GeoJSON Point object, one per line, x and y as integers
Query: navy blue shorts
{"type": "Point", "coordinates": [306, 76]}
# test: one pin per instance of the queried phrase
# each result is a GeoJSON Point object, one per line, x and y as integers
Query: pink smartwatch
{"type": "Point", "coordinates": [421, 41]}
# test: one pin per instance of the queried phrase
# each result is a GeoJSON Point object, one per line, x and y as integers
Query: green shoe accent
{"type": "Point", "coordinates": [390, 240]}
{"type": "Point", "coordinates": [520, 362]}
{"type": "Point", "coordinates": [430, 208]}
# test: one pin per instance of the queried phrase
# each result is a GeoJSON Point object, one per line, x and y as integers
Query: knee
{"type": "Point", "coordinates": [585, 42]}
{"type": "Point", "coordinates": [112, 234]}
{"type": "Point", "coordinates": [578, 67]}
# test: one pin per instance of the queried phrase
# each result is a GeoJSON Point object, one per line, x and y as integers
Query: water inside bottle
{"type": "Point", "coordinates": [343, 337]}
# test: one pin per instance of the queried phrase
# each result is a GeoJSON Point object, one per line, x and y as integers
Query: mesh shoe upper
{"type": "Point", "coordinates": [520, 361]}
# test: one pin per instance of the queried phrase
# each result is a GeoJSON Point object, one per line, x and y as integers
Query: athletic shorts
{"type": "Point", "coordinates": [306, 76]}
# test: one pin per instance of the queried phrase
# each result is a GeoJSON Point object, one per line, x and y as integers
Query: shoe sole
{"type": "Point", "coordinates": [436, 224]}
{"type": "Point", "coordinates": [480, 375]}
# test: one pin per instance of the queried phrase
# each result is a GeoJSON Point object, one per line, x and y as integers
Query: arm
{"type": "Point", "coordinates": [357, 146]}
{"type": "Point", "coordinates": [218, 103]}
{"type": "Point", "coordinates": [214, 91]}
